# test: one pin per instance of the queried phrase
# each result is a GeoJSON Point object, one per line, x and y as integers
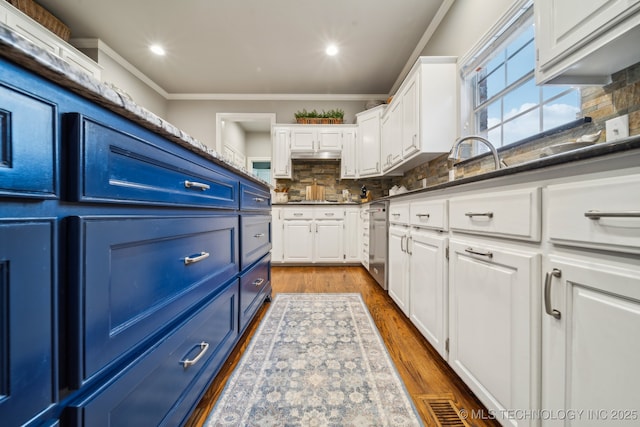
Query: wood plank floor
{"type": "Point", "coordinates": [425, 374]}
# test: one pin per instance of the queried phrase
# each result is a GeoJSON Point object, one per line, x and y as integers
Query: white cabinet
{"type": "Point", "coordinates": [298, 241]}
{"type": "Point", "coordinates": [428, 290]}
{"type": "Point", "coordinates": [420, 122]}
{"type": "Point", "coordinates": [281, 160]}
{"type": "Point", "coordinates": [398, 276]}
{"type": "Point", "coordinates": [312, 138]}
{"type": "Point", "coordinates": [364, 225]}
{"type": "Point", "coordinates": [349, 159]}
{"type": "Point", "coordinates": [277, 224]}
{"type": "Point", "coordinates": [494, 312]}
{"type": "Point", "coordinates": [584, 42]}
{"type": "Point", "coordinates": [329, 241]}
{"type": "Point", "coordinates": [352, 235]}
{"type": "Point", "coordinates": [368, 143]}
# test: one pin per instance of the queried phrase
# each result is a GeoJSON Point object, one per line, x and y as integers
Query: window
{"type": "Point", "coordinates": [504, 104]}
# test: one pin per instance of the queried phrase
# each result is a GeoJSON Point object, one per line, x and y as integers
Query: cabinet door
{"type": "Point", "coordinates": [330, 139]}
{"type": "Point", "coordinates": [349, 160]}
{"type": "Point", "coordinates": [428, 287]}
{"type": "Point", "coordinates": [298, 241]}
{"type": "Point", "coordinates": [352, 235]}
{"type": "Point", "coordinates": [410, 117]}
{"type": "Point", "coordinates": [395, 134]}
{"type": "Point", "coordinates": [493, 304]}
{"type": "Point", "coordinates": [27, 360]}
{"type": "Point", "coordinates": [277, 236]}
{"type": "Point", "coordinates": [398, 267]}
{"type": "Point", "coordinates": [329, 241]}
{"type": "Point", "coordinates": [590, 353]}
{"type": "Point", "coordinates": [281, 162]}
{"type": "Point", "coordinates": [303, 139]}
{"type": "Point", "coordinates": [369, 145]}
{"type": "Point", "coordinates": [386, 139]}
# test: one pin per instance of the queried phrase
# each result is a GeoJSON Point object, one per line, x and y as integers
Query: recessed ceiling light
{"type": "Point", "coordinates": [332, 50]}
{"type": "Point", "coordinates": [157, 49]}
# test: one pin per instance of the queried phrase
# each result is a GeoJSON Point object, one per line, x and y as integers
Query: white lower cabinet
{"type": "Point", "coordinates": [398, 275]}
{"type": "Point", "coordinates": [493, 328]}
{"type": "Point", "coordinates": [428, 290]}
{"type": "Point", "coordinates": [298, 240]}
{"type": "Point", "coordinates": [352, 235]}
{"type": "Point", "coordinates": [277, 225]}
{"type": "Point", "coordinates": [329, 241]}
{"type": "Point", "coordinates": [590, 342]}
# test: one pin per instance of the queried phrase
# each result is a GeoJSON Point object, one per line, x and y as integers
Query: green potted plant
{"type": "Point", "coordinates": [334, 116]}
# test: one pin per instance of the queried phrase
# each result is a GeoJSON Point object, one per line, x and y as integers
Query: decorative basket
{"type": "Point", "coordinates": [318, 121]}
{"type": "Point", "coordinates": [43, 17]}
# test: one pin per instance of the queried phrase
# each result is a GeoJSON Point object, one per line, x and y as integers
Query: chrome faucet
{"type": "Point", "coordinates": [453, 154]}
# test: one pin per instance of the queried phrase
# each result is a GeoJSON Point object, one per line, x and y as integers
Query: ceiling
{"type": "Point", "coordinates": [259, 46]}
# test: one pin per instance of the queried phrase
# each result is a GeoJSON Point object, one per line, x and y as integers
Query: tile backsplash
{"type": "Point", "coordinates": [601, 103]}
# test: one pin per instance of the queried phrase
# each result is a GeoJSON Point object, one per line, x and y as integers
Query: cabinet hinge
{"type": "Point", "coordinates": [446, 345]}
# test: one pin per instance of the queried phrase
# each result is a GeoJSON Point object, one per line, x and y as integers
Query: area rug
{"type": "Point", "coordinates": [315, 360]}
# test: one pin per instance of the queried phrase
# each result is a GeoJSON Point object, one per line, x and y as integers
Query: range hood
{"type": "Point", "coordinates": [316, 155]}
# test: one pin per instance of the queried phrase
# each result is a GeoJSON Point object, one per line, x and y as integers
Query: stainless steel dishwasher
{"type": "Point", "coordinates": [378, 235]}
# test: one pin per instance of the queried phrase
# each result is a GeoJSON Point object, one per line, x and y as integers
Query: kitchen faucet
{"type": "Point", "coordinates": [453, 154]}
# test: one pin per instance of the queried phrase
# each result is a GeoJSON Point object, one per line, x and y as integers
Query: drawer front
{"type": "Point", "coordinates": [297, 213]}
{"type": "Point", "coordinates": [601, 213]}
{"type": "Point", "coordinates": [159, 390]}
{"type": "Point", "coordinates": [514, 214]}
{"type": "Point", "coordinates": [328, 213]}
{"type": "Point", "coordinates": [27, 290]}
{"type": "Point", "coordinates": [27, 145]}
{"type": "Point", "coordinates": [399, 213]}
{"type": "Point", "coordinates": [254, 198]}
{"type": "Point", "coordinates": [429, 214]}
{"type": "Point", "coordinates": [256, 238]}
{"type": "Point", "coordinates": [134, 275]}
{"type": "Point", "coordinates": [255, 285]}
{"type": "Point", "coordinates": [114, 166]}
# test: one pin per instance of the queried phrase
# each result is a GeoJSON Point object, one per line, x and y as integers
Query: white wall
{"type": "Point", "coordinates": [198, 118]}
{"type": "Point", "coordinates": [233, 136]}
{"type": "Point", "coordinates": [258, 144]}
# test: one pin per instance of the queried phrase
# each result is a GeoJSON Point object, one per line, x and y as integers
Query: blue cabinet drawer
{"type": "Point", "coordinates": [161, 387]}
{"type": "Point", "coordinates": [256, 238]}
{"type": "Point", "coordinates": [27, 319]}
{"type": "Point", "coordinates": [112, 165]}
{"type": "Point", "coordinates": [254, 198]}
{"type": "Point", "coordinates": [27, 145]}
{"type": "Point", "coordinates": [134, 275]}
{"type": "Point", "coordinates": [255, 286]}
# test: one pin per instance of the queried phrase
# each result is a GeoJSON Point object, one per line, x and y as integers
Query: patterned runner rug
{"type": "Point", "coordinates": [315, 360]}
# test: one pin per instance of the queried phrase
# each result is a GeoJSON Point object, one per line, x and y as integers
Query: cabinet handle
{"type": "Point", "coordinates": [472, 214]}
{"type": "Point", "coordinates": [421, 215]}
{"type": "Point", "coordinates": [190, 260]}
{"type": "Point", "coordinates": [547, 293]}
{"type": "Point", "coordinates": [258, 199]}
{"type": "Point", "coordinates": [329, 213]}
{"type": "Point", "coordinates": [409, 240]}
{"type": "Point", "coordinates": [395, 214]}
{"type": "Point", "coordinates": [259, 235]}
{"type": "Point", "coordinates": [595, 215]}
{"type": "Point", "coordinates": [204, 346]}
{"type": "Point", "coordinates": [192, 184]}
{"type": "Point", "coordinates": [402, 239]}
{"type": "Point", "coordinates": [316, 227]}
{"type": "Point", "coordinates": [472, 251]}
{"type": "Point", "coordinates": [258, 282]}
{"type": "Point", "coordinates": [297, 214]}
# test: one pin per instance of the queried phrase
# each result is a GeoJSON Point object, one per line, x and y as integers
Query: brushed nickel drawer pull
{"type": "Point", "coordinates": [421, 215]}
{"type": "Point", "coordinates": [258, 199]}
{"type": "Point", "coordinates": [204, 346]}
{"type": "Point", "coordinates": [329, 214]}
{"type": "Point", "coordinates": [472, 251]}
{"type": "Point", "coordinates": [595, 215]}
{"type": "Point", "coordinates": [547, 293]}
{"type": "Point", "coordinates": [202, 186]}
{"type": "Point", "coordinates": [297, 214]}
{"type": "Point", "coordinates": [258, 282]}
{"type": "Point", "coordinates": [472, 214]}
{"type": "Point", "coordinates": [190, 260]}
{"type": "Point", "coordinates": [259, 235]}
{"type": "Point", "coordinates": [395, 214]}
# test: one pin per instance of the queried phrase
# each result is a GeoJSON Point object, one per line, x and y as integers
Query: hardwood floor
{"type": "Point", "coordinates": [425, 374]}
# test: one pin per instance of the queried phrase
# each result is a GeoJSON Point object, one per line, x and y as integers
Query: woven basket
{"type": "Point", "coordinates": [43, 17]}
{"type": "Point", "coordinates": [318, 121]}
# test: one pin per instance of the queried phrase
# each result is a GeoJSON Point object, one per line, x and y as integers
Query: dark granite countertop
{"type": "Point", "coordinates": [24, 53]}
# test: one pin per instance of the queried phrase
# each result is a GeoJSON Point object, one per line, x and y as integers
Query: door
{"type": "Point", "coordinates": [329, 241]}
{"type": "Point", "coordinates": [298, 241]}
{"type": "Point", "coordinates": [492, 306]}
{"type": "Point", "coordinates": [428, 288]}
{"type": "Point", "coordinates": [590, 347]}
{"type": "Point", "coordinates": [399, 267]}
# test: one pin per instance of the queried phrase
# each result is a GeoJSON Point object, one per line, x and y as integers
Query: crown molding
{"type": "Point", "coordinates": [274, 97]}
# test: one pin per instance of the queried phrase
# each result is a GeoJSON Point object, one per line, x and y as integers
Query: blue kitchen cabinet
{"type": "Point", "coordinates": [27, 144]}
{"type": "Point", "coordinates": [255, 287]}
{"type": "Point", "coordinates": [27, 320]}
{"type": "Point", "coordinates": [256, 238]}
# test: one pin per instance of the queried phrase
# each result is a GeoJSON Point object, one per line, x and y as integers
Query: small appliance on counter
{"type": "Point", "coordinates": [365, 195]}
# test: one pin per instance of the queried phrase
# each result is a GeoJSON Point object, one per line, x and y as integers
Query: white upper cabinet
{"type": "Point", "coordinates": [281, 160]}
{"type": "Point", "coordinates": [420, 123]}
{"type": "Point", "coordinates": [368, 145]}
{"type": "Point", "coordinates": [312, 138]}
{"type": "Point", "coordinates": [585, 41]}
{"type": "Point", "coordinates": [349, 161]}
